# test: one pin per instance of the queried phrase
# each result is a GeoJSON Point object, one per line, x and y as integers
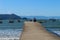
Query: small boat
{"type": "Point", "coordinates": [19, 21]}
{"type": "Point", "coordinates": [11, 21]}
{"type": "Point", "coordinates": [1, 22]}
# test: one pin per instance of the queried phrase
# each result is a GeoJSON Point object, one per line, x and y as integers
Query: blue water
{"type": "Point", "coordinates": [14, 30]}
{"type": "Point", "coordinates": [7, 25]}
{"type": "Point", "coordinates": [53, 27]}
{"type": "Point", "coordinates": [55, 31]}
{"type": "Point", "coordinates": [11, 30]}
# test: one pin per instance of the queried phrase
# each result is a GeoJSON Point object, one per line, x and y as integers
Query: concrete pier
{"type": "Point", "coordinates": [34, 31]}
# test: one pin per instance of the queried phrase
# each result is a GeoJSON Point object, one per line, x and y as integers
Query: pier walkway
{"type": "Point", "coordinates": [34, 31]}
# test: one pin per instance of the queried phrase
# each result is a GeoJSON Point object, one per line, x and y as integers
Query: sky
{"type": "Point", "coordinates": [30, 7]}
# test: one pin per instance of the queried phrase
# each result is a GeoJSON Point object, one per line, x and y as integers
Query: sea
{"type": "Point", "coordinates": [52, 26]}
{"type": "Point", "coordinates": [13, 31]}
{"type": "Point", "coordinates": [10, 31]}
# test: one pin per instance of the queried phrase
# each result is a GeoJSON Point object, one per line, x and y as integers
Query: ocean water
{"type": "Point", "coordinates": [55, 31]}
{"type": "Point", "coordinates": [11, 31]}
{"type": "Point", "coordinates": [53, 27]}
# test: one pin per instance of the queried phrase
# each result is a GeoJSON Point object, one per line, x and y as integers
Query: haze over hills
{"type": "Point", "coordinates": [43, 17]}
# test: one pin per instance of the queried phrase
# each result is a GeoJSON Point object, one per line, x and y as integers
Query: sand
{"type": "Point", "coordinates": [34, 31]}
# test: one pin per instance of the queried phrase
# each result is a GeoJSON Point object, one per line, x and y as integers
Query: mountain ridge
{"type": "Point", "coordinates": [43, 17]}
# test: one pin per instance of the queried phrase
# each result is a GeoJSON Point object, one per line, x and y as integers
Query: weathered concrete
{"type": "Point", "coordinates": [34, 31]}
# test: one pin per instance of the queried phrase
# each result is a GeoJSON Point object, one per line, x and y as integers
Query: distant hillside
{"type": "Point", "coordinates": [8, 16]}
{"type": "Point", "coordinates": [55, 17]}
{"type": "Point", "coordinates": [37, 17]}
{"type": "Point", "coordinates": [43, 17]}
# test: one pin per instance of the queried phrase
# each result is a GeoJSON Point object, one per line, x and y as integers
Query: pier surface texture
{"type": "Point", "coordinates": [34, 31]}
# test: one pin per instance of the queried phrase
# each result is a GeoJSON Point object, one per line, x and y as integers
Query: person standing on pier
{"type": "Point", "coordinates": [34, 19]}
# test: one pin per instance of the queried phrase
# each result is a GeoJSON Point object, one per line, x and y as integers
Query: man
{"type": "Point", "coordinates": [34, 19]}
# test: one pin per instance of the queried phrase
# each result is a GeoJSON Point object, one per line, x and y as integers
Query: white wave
{"type": "Point", "coordinates": [57, 32]}
{"type": "Point", "coordinates": [10, 33]}
{"type": "Point", "coordinates": [9, 38]}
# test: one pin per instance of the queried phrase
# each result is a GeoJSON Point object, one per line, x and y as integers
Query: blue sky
{"type": "Point", "coordinates": [30, 7]}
